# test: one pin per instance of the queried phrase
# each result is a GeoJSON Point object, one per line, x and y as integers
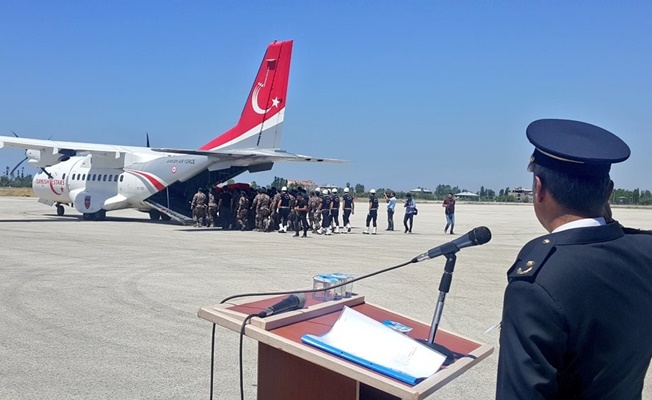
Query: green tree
{"type": "Point", "coordinates": [279, 182]}
{"type": "Point", "coordinates": [359, 188]}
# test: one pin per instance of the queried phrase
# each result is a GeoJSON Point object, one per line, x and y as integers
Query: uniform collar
{"type": "Point", "coordinates": [581, 223]}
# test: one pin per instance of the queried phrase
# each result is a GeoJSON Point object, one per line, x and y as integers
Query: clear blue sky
{"type": "Point", "coordinates": [412, 93]}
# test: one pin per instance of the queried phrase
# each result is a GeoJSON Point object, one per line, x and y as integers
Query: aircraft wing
{"type": "Point", "coordinates": [50, 152]}
{"type": "Point", "coordinates": [256, 155]}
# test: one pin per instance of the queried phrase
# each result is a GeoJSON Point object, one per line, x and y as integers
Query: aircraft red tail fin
{"type": "Point", "coordinates": [261, 121]}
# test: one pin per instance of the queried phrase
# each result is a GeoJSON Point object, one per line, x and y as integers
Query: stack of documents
{"type": "Point", "coordinates": [365, 341]}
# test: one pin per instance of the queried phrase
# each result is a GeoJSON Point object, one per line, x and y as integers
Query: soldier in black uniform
{"type": "Point", "coordinates": [325, 210]}
{"type": "Point", "coordinates": [283, 209]}
{"type": "Point", "coordinates": [348, 207]}
{"type": "Point", "coordinates": [373, 212]}
{"type": "Point", "coordinates": [335, 211]}
{"type": "Point", "coordinates": [301, 210]}
{"type": "Point", "coordinates": [577, 316]}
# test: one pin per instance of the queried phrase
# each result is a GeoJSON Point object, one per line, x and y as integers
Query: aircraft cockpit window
{"type": "Point", "coordinates": [104, 178]}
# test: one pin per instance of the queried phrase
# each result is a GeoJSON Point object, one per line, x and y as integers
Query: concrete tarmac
{"type": "Point", "coordinates": [107, 310]}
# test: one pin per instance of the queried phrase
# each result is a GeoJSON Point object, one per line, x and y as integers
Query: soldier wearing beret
{"type": "Point", "coordinates": [577, 315]}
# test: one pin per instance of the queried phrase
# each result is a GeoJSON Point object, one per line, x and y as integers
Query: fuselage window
{"type": "Point", "coordinates": [73, 177]}
{"type": "Point", "coordinates": [121, 178]}
{"type": "Point", "coordinates": [83, 177]}
{"type": "Point", "coordinates": [93, 179]}
{"type": "Point", "coordinates": [104, 178]}
{"type": "Point", "coordinates": [63, 177]}
{"type": "Point", "coordinates": [110, 178]}
{"type": "Point", "coordinates": [115, 178]}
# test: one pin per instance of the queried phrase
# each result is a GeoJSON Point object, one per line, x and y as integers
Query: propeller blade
{"type": "Point", "coordinates": [147, 134]}
{"type": "Point", "coordinates": [16, 167]}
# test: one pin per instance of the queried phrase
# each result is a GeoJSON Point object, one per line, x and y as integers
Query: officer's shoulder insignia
{"type": "Point", "coordinates": [531, 260]}
{"type": "Point", "coordinates": [636, 231]}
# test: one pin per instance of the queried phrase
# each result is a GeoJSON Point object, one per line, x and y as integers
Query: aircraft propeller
{"type": "Point", "coordinates": [24, 159]}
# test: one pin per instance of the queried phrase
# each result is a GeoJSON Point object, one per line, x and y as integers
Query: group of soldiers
{"type": "Point", "coordinates": [267, 210]}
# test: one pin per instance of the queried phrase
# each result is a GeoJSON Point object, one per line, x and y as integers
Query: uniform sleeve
{"type": "Point", "coordinates": [532, 344]}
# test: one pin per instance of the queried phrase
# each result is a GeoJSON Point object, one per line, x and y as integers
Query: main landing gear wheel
{"type": "Point", "coordinates": [60, 210]}
{"type": "Point", "coordinates": [154, 215]}
{"type": "Point", "coordinates": [165, 217]}
{"type": "Point", "coordinates": [96, 216]}
{"type": "Point", "coordinates": [100, 215]}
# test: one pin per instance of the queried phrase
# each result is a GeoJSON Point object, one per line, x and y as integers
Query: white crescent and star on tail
{"type": "Point", "coordinates": [254, 98]}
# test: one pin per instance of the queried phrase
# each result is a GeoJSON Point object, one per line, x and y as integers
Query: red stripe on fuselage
{"type": "Point", "coordinates": [151, 178]}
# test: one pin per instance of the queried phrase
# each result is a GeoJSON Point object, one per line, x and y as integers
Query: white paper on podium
{"type": "Point", "coordinates": [368, 342]}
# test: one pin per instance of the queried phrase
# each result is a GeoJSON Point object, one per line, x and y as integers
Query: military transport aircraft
{"type": "Point", "coordinates": [96, 178]}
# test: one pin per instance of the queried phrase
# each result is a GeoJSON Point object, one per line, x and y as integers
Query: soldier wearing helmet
{"type": "Point", "coordinates": [283, 209]}
{"type": "Point", "coordinates": [325, 210]}
{"type": "Point", "coordinates": [348, 206]}
{"type": "Point", "coordinates": [335, 210]}
{"type": "Point", "coordinates": [373, 212]}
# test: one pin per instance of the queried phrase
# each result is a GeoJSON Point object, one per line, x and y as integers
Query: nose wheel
{"type": "Point", "coordinates": [60, 210]}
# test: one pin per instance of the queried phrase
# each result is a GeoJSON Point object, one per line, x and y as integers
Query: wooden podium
{"type": "Point", "coordinates": [290, 369]}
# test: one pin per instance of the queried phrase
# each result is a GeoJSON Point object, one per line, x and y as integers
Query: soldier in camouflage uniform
{"type": "Point", "coordinates": [243, 211]}
{"type": "Point", "coordinates": [314, 217]}
{"type": "Point", "coordinates": [198, 207]}
{"type": "Point", "coordinates": [212, 208]}
{"type": "Point", "coordinates": [261, 205]}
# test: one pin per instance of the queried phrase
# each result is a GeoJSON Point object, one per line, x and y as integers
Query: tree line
{"type": "Point", "coordinates": [619, 196]}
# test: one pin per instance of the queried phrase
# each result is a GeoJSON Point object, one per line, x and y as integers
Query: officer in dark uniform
{"type": "Point", "coordinates": [577, 316]}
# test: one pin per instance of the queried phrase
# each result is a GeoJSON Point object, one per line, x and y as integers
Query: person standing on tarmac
{"type": "Point", "coordinates": [410, 212]}
{"type": "Point", "coordinates": [198, 207]}
{"type": "Point", "coordinates": [335, 210]}
{"type": "Point", "coordinates": [283, 209]}
{"type": "Point", "coordinates": [373, 212]}
{"type": "Point", "coordinates": [301, 211]}
{"type": "Point", "coordinates": [348, 207]}
{"type": "Point", "coordinates": [390, 198]}
{"type": "Point", "coordinates": [325, 210]}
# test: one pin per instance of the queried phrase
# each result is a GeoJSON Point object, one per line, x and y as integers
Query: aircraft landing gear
{"type": "Point", "coordinates": [60, 210]}
{"type": "Point", "coordinates": [100, 215]}
{"type": "Point", "coordinates": [154, 215]}
{"type": "Point", "coordinates": [96, 216]}
{"type": "Point", "coordinates": [165, 217]}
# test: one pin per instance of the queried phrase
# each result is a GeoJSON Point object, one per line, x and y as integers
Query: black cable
{"type": "Point", "coordinates": [414, 260]}
{"type": "Point", "coordinates": [242, 329]}
{"type": "Point", "coordinates": [212, 360]}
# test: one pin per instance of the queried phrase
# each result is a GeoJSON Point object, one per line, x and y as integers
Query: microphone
{"type": "Point", "coordinates": [292, 302]}
{"type": "Point", "coordinates": [476, 236]}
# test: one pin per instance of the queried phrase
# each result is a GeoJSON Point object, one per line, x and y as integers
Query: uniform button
{"type": "Point", "coordinates": [530, 263]}
{"type": "Point", "coordinates": [546, 241]}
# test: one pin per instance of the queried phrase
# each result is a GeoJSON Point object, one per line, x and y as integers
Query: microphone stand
{"type": "Point", "coordinates": [444, 287]}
